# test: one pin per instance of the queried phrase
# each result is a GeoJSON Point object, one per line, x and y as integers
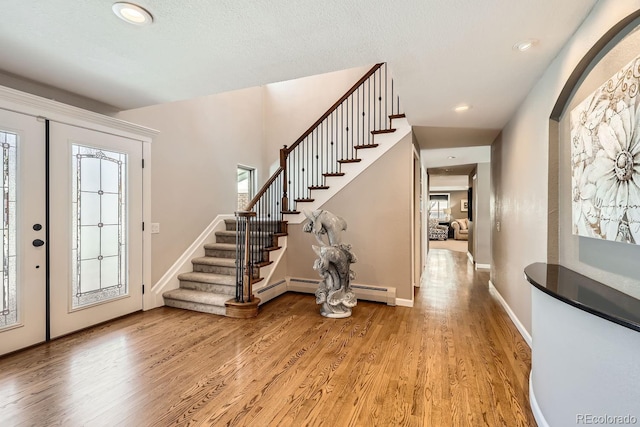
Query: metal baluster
{"type": "Point", "coordinates": [392, 111]}
{"type": "Point", "coordinates": [386, 115]}
{"type": "Point", "coordinates": [351, 125]}
{"type": "Point", "coordinates": [380, 126]}
{"type": "Point", "coordinates": [369, 111]}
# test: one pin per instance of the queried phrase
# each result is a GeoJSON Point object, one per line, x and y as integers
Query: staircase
{"type": "Point", "coordinates": [212, 283]}
{"type": "Point", "coordinates": [222, 281]}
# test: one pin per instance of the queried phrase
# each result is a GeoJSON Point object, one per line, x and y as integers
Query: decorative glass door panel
{"type": "Point", "coordinates": [96, 258]}
{"type": "Point", "coordinates": [99, 209]}
{"type": "Point", "coordinates": [9, 288]}
{"type": "Point", "coordinates": [22, 257]}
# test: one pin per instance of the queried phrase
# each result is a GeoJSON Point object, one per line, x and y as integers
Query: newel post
{"type": "Point", "coordinates": [244, 305]}
{"type": "Point", "coordinates": [244, 293]}
{"type": "Point", "coordinates": [283, 164]}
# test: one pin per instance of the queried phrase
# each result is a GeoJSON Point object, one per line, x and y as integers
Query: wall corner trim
{"type": "Point", "coordinates": [401, 302]}
{"type": "Point", "coordinates": [523, 331]}
{"type": "Point", "coordinates": [535, 408]}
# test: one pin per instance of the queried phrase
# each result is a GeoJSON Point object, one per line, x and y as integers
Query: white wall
{"type": "Point", "coordinates": [522, 162]}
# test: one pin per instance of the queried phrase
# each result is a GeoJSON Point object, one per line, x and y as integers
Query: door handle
{"type": "Point", "coordinates": [38, 243]}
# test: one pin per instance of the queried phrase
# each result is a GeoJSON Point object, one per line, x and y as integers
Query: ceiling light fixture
{"type": "Point", "coordinates": [462, 108]}
{"type": "Point", "coordinates": [525, 45]}
{"type": "Point", "coordinates": [131, 13]}
{"type": "Point", "coordinates": [451, 157]}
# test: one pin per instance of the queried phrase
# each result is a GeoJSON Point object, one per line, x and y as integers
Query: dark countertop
{"type": "Point", "coordinates": [585, 293]}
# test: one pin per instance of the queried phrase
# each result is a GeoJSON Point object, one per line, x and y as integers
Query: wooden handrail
{"type": "Point", "coordinates": [264, 188]}
{"type": "Point", "coordinates": [284, 152]}
{"type": "Point", "coordinates": [334, 106]}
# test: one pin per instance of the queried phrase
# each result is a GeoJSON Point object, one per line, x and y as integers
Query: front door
{"type": "Point", "coordinates": [96, 227]}
{"type": "Point", "coordinates": [22, 250]}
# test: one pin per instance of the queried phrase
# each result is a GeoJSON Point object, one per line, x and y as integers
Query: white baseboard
{"type": "Point", "coordinates": [153, 298]}
{"type": "Point", "coordinates": [470, 257]}
{"type": "Point", "coordinates": [523, 331]}
{"type": "Point", "coordinates": [483, 266]}
{"type": "Point", "coordinates": [401, 302]}
{"type": "Point", "coordinates": [535, 408]}
{"type": "Point", "coordinates": [363, 292]}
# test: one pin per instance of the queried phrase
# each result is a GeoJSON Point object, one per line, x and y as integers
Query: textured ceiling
{"type": "Point", "coordinates": [441, 52]}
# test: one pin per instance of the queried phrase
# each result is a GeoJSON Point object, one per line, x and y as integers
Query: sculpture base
{"type": "Point", "coordinates": [336, 315]}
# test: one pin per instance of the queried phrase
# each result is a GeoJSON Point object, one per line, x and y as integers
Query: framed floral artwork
{"type": "Point", "coordinates": [605, 159]}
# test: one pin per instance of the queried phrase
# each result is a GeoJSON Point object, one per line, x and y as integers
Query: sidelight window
{"type": "Point", "coordinates": [8, 289]}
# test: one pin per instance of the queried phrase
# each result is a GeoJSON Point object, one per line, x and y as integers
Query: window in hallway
{"type": "Point", "coordinates": [246, 185]}
{"type": "Point", "coordinates": [439, 206]}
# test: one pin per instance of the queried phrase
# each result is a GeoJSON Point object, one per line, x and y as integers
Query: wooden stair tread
{"type": "Point", "coordinates": [290, 212]}
{"type": "Point", "coordinates": [333, 174]}
{"type": "Point", "coordinates": [272, 248]}
{"type": "Point", "coordinates": [319, 187]}
{"type": "Point", "coordinates": [349, 160]}
{"type": "Point", "coordinates": [357, 147]}
{"type": "Point", "coordinates": [378, 132]}
{"type": "Point", "coordinates": [263, 264]}
{"type": "Point", "coordinates": [397, 116]}
{"type": "Point", "coordinates": [304, 200]}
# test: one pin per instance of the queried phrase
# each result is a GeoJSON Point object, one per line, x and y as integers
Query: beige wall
{"type": "Point", "coordinates": [193, 164]}
{"type": "Point", "coordinates": [455, 197]}
{"type": "Point", "coordinates": [520, 165]}
{"type": "Point", "coordinates": [377, 208]}
{"type": "Point", "coordinates": [291, 107]}
{"type": "Point", "coordinates": [482, 215]}
{"type": "Point", "coordinates": [201, 141]}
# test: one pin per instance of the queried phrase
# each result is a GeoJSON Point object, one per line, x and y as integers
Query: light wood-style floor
{"type": "Point", "coordinates": [455, 359]}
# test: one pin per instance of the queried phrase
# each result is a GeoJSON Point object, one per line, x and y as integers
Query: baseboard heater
{"type": "Point", "coordinates": [363, 292]}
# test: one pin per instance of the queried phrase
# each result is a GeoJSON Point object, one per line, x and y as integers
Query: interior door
{"type": "Point", "coordinates": [22, 250]}
{"type": "Point", "coordinates": [96, 227]}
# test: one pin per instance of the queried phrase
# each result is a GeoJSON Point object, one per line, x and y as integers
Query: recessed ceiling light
{"type": "Point", "coordinates": [132, 13]}
{"type": "Point", "coordinates": [462, 108]}
{"type": "Point", "coordinates": [525, 45]}
{"type": "Point", "coordinates": [451, 157]}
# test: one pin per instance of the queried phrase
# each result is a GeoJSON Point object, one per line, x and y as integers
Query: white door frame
{"type": "Point", "coordinates": [41, 108]}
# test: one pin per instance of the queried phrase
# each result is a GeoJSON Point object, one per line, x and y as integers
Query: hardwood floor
{"type": "Point", "coordinates": [455, 359]}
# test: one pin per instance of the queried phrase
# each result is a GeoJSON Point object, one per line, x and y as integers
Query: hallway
{"type": "Point", "coordinates": [455, 359]}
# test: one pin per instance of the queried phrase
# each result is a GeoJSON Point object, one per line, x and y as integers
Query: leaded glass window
{"type": "Point", "coordinates": [8, 289]}
{"type": "Point", "coordinates": [99, 226]}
